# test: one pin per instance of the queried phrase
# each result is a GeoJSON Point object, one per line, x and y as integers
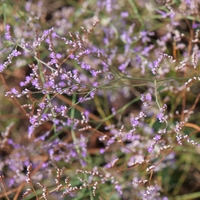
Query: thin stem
{"type": "Point", "coordinates": [4, 190]}
{"type": "Point", "coordinates": [72, 115]}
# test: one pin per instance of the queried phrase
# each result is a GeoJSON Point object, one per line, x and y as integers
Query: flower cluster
{"type": "Point", "coordinates": [100, 98]}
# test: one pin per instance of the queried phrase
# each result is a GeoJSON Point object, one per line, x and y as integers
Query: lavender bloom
{"type": "Point", "coordinates": [30, 131]}
{"type": "Point", "coordinates": [144, 36]}
{"type": "Point", "coordinates": [7, 33]}
{"type": "Point", "coordinates": [157, 137]}
{"type": "Point", "coordinates": [16, 53]}
{"type": "Point", "coordinates": [109, 5]}
{"type": "Point", "coordinates": [119, 189]}
{"type": "Point", "coordinates": [161, 115]}
{"type": "Point", "coordinates": [150, 149]}
{"type": "Point", "coordinates": [146, 99]}
{"type": "Point", "coordinates": [124, 14]}
{"type": "Point", "coordinates": [1, 68]}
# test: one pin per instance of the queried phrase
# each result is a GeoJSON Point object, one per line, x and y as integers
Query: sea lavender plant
{"type": "Point", "coordinates": [103, 99]}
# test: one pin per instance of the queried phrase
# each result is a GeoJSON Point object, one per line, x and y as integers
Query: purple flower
{"type": "Point", "coordinates": [46, 33]}
{"type": "Point", "coordinates": [125, 37]}
{"type": "Point", "coordinates": [146, 99]}
{"type": "Point", "coordinates": [7, 33]}
{"type": "Point", "coordinates": [48, 41]}
{"type": "Point", "coordinates": [145, 38]}
{"type": "Point", "coordinates": [164, 14]}
{"type": "Point", "coordinates": [94, 73]}
{"type": "Point", "coordinates": [113, 111]}
{"type": "Point", "coordinates": [195, 25]}
{"type": "Point", "coordinates": [95, 84]}
{"type": "Point", "coordinates": [2, 67]}
{"type": "Point", "coordinates": [49, 84]}
{"type": "Point", "coordinates": [35, 83]}
{"type": "Point", "coordinates": [86, 113]}
{"type": "Point", "coordinates": [135, 122]}
{"type": "Point", "coordinates": [108, 6]}
{"type": "Point", "coordinates": [150, 149]}
{"type": "Point", "coordinates": [62, 84]}
{"type": "Point", "coordinates": [58, 56]}
{"type": "Point", "coordinates": [11, 182]}
{"type": "Point", "coordinates": [14, 91]}
{"type": "Point", "coordinates": [124, 14]}
{"type": "Point", "coordinates": [87, 51]}
{"type": "Point", "coordinates": [30, 131]}
{"type": "Point", "coordinates": [129, 136]}
{"type": "Point", "coordinates": [54, 35]}
{"type": "Point", "coordinates": [33, 119]}
{"type": "Point", "coordinates": [146, 50]}
{"type": "Point", "coordinates": [157, 137]}
{"type": "Point", "coordinates": [160, 117]}
{"type": "Point", "coordinates": [102, 151]}
{"type": "Point", "coordinates": [16, 53]}
{"type": "Point", "coordinates": [42, 105]}
{"type": "Point", "coordinates": [83, 163]}
{"type": "Point", "coordinates": [123, 66]}
{"type": "Point", "coordinates": [72, 56]}
{"type": "Point", "coordinates": [44, 117]}
{"type": "Point", "coordinates": [118, 188]}
{"type": "Point", "coordinates": [52, 55]}
{"type": "Point", "coordinates": [73, 153]}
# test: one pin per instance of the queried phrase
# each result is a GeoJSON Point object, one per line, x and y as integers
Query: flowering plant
{"type": "Point", "coordinates": [99, 99]}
